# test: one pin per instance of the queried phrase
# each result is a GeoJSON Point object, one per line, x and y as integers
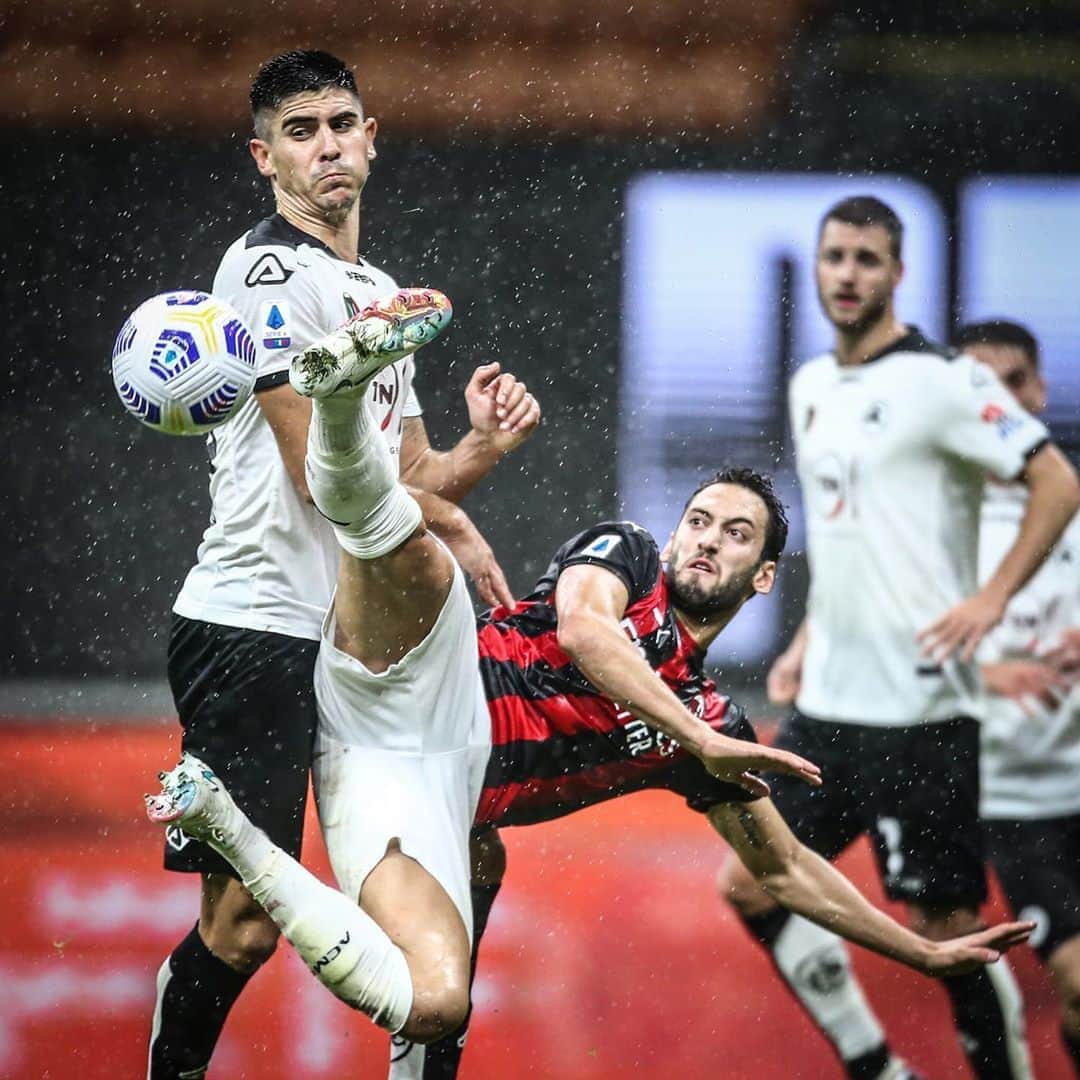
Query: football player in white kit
{"type": "Point", "coordinates": [1031, 733]}
{"type": "Point", "coordinates": [894, 437]}
{"type": "Point", "coordinates": [248, 619]}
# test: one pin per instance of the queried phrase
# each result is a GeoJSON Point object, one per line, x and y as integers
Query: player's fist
{"type": "Point", "coordinates": [501, 409]}
{"type": "Point", "coordinates": [784, 678]}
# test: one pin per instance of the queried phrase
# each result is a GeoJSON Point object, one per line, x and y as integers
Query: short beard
{"type": "Point", "coordinates": [701, 603]}
{"type": "Point", "coordinates": [867, 321]}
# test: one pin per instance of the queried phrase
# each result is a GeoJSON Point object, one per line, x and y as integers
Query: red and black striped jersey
{"type": "Point", "coordinates": [558, 744]}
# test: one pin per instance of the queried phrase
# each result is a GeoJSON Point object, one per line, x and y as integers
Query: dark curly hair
{"type": "Point", "coordinates": [762, 486]}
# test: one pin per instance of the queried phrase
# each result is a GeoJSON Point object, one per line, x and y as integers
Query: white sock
{"type": "Point", "coordinates": [353, 479]}
{"type": "Point", "coordinates": [1012, 1014]}
{"type": "Point", "coordinates": [816, 965]}
{"type": "Point", "coordinates": [348, 952]}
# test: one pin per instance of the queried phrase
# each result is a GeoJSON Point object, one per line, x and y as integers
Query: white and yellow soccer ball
{"type": "Point", "coordinates": [183, 363]}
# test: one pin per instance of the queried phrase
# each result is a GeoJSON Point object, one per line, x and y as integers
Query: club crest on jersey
{"type": "Point", "coordinates": [1005, 423]}
{"type": "Point", "coordinates": [274, 322]}
{"type": "Point", "coordinates": [268, 270]}
{"type": "Point", "coordinates": [876, 418]}
{"type": "Point", "coordinates": [603, 546]}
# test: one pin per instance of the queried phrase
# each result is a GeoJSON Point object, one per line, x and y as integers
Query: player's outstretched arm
{"type": "Point", "coordinates": [1054, 497]}
{"type": "Point", "coordinates": [803, 882]}
{"type": "Point", "coordinates": [502, 415]}
{"type": "Point", "coordinates": [590, 601]}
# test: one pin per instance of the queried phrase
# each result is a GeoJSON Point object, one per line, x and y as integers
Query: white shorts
{"type": "Point", "coordinates": [402, 753]}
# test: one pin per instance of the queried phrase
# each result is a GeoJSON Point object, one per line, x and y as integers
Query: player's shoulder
{"type": "Point", "coordinates": [267, 255]}
{"type": "Point", "coordinates": [917, 352]}
{"type": "Point", "coordinates": [811, 371]}
{"type": "Point", "coordinates": [602, 539]}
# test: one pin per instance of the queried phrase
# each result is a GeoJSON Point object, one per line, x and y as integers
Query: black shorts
{"type": "Point", "coordinates": [246, 701]}
{"type": "Point", "coordinates": [913, 790]}
{"type": "Point", "coordinates": [1038, 865]}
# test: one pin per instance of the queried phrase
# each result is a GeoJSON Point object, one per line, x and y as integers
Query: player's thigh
{"type": "Point", "coordinates": [246, 703]}
{"type": "Point", "coordinates": [827, 818]}
{"type": "Point", "coordinates": [1038, 865]}
{"type": "Point", "coordinates": [384, 607]}
{"type": "Point", "coordinates": [923, 805]}
{"type": "Point", "coordinates": [420, 917]}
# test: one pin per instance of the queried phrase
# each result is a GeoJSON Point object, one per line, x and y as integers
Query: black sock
{"type": "Point", "coordinates": [870, 1065]}
{"type": "Point", "coordinates": [981, 1024]}
{"type": "Point", "coordinates": [191, 1009]}
{"type": "Point", "coordinates": [1072, 1044]}
{"type": "Point", "coordinates": [766, 928]}
{"type": "Point", "coordinates": [441, 1059]}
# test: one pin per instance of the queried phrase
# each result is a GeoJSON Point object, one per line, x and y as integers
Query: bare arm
{"type": "Point", "coordinates": [785, 676]}
{"type": "Point", "coordinates": [590, 601]}
{"type": "Point", "coordinates": [289, 415]}
{"type": "Point", "coordinates": [1054, 496]}
{"type": "Point", "coordinates": [502, 414]}
{"type": "Point", "coordinates": [803, 882]}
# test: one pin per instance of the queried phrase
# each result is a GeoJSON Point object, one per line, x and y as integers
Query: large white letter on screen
{"type": "Point", "coordinates": [1020, 260]}
{"type": "Point", "coordinates": [708, 344]}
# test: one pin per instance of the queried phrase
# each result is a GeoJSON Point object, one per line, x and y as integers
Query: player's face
{"type": "Point", "coordinates": [1015, 369]}
{"type": "Point", "coordinates": [714, 557]}
{"type": "Point", "coordinates": [319, 152]}
{"type": "Point", "coordinates": [856, 275]}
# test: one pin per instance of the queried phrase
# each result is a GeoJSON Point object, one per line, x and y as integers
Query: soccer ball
{"type": "Point", "coordinates": [183, 363]}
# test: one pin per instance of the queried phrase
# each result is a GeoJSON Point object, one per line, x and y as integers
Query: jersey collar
{"type": "Point", "coordinates": [912, 341]}
{"type": "Point", "coordinates": [295, 236]}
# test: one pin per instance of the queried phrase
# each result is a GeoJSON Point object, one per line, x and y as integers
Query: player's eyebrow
{"type": "Point", "coordinates": [739, 521]}
{"type": "Point", "coordinates": [311, 118]}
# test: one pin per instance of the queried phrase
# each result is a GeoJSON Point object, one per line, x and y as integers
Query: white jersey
{"type": "Point", "coordinates": [268, 560]}
{"type": "Point", "coordinates": [892, 456]}
{"type": "Point", "coordinates": [1030, 760]}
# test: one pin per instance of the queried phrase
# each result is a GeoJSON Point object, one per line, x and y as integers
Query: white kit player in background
{"type": "Point", "coordinates": [894, 437]}
{"type": "Point", "coordinates": [248, 619]}
{"type": "Point", "coordinates": [1031, 734]}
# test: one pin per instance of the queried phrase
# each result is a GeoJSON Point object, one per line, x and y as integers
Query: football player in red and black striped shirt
{"type": "Point", "coordinates": [596, 688]}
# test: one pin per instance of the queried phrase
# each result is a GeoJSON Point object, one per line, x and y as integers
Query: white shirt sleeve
{"type": "Point", "coordinates": [979, 420]}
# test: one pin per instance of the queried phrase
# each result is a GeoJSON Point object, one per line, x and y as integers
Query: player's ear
{"type": "Point", "coordinates": [260, 151]}
{"type": "Point", "coordinates": [371, 127]}
{"type": "Point", "coordinates": [665, 554]}
{"type": "Point", "coordinates": [765, 577]}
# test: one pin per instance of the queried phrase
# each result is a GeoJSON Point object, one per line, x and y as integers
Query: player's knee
{"type": "Point", "coordinates": [1065, 968]}
{"type": "Point", "coordinates": [739, 888]}
{"type": "Point", "coordinates": [436, 1014]}
{"type": "Point", "coordinates": [488, 855]}
{"type": "Point", "coordinates": [244, 940]}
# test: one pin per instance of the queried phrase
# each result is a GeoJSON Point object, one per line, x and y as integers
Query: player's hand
{"type": "Point", "coordinates": [962, 627]}
{"type": "Point", "coordinates": [1023, 680]}
{"type": "Point", "coordinates": [961, 955]}
{"type": "Point", "coordinates": [732, 759]}
{"type": "Point", "coordinates": [784, 678]}
{"type": "Point", "coordinates": [1065, 656]}
{"type": "Point", "coordinates": [475, 557]}
{"type": "Point", "coordinates": [501, 409]}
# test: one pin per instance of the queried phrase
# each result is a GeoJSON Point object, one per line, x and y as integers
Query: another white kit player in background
{"type": "Point", "coordinates": [894, 437]}
{"type": "Point", "coordinates": [1031, 733]}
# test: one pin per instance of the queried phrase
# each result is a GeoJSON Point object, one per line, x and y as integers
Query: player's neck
{"type": "Point", "coordinates": [704, 631]}
{"type": "Point", "coordinates": [341, 237]}
{"type": "Point", "coordinates": [856, 346]}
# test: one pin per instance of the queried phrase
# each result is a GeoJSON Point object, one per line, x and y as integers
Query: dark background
{"type": "Point", "coordinates": [522, 228]}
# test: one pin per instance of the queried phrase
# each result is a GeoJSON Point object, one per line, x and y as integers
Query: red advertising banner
{"type": "Point", "coordinates": [608, 953]}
